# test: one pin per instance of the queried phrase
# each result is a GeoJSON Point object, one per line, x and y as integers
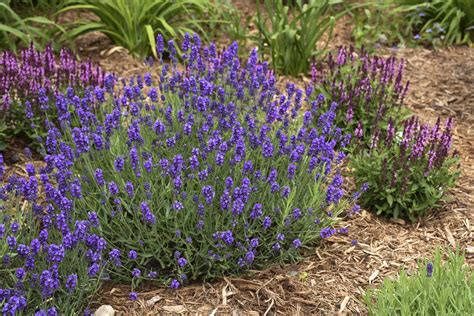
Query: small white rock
{"type": "Point", "coordinates": [105, 310]}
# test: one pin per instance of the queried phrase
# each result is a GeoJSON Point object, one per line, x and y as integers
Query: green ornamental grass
{"type": "Point", "coordinates": [290, 36]}
{"type": "Point", "coordinates": [133, 24]}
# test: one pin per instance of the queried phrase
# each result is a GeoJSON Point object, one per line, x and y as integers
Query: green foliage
{"type": "Point", "coordinates": [375, 25]}
{"type": "Point", "coordinates": [231, 23]}
{"type": "Point", "coordinates": [448, 291]}
{"type": "Point", "coordinates": [289, 36]}
{"type": "Point", "coordinates": [412, 22]}
{"type": "Point", "coordinates": [17, 31]}
{"type": "Point", "coordinates": [451, 20]}
{"type": "Point", "coordinates": [3, 134]}
{"type": "Point", "coordinates": [408, 172]}
{"type": "Point", "coordinates": [45, 6]}
{"type": "Point", "coordinates": [134, 24]}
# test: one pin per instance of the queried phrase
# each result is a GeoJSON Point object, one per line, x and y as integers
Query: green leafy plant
{"type": "Point", "coordinates": [134, 24]}
{"type": "Point", "coordinates": [3, 134]}
{"type": "Point", "coordinates": [17, 31]}
{"type": "Point", "coordinates": [376, 25]}
{"type": "Point", "coordinates": [451, 20]}
{"type": "Point", "coordinates": [413, 22]}
{"type": "Point", "coordinates": [289, 36]}
{"type": "Point", "coordinates": [231, 22]}
{"type": "Point", "coordinates": [408, 172]}
{"type": "Point", "coordinates": [435, 289]}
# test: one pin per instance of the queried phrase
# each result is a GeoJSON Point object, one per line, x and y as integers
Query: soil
{"type": "Point", "coordinates": [333, 277]}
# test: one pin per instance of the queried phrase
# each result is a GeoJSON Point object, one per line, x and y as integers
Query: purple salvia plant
{"type": "Point", "coordinates": [408, 170]}
{"type": "Point", "coordinates": [368, 90]}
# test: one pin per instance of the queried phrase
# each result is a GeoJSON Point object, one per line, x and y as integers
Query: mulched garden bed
{"type": "Point", "coordinates": [333, 277]}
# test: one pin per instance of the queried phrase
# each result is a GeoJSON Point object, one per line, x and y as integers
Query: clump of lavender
{"type": "Point", "coordinates": [409, 170]}
{"type": "Point", "coordinates": [209, 171]}
{"type": "Point", "coordinates": [29, 81]}
{"type": "Point", "coordinates": [49, 263]}
{"type": "Point", "coordinates": [368, 90]}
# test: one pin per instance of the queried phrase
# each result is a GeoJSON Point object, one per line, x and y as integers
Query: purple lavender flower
{"type": "Point", "coordinates": [285, 192]}
{"type": "Point", "coordinates": [136, 273]}
{"type": "Point", "coordinates": [132, 255]}
{"type": "Point", "coordinates": [56, 253]}
{"type": "Point", "coordinates": [429, 269]}
{"type": "Point", "coordinates": [327, 232]}
{"type": "Point", "coordinates": [20, 273]}
{"type": "Point", "coordinates": [267, 222]}
{"type": "Point", "coordinates": [297, 243]}
{"type": "Point", "coordinates": [93, 269]}
{"type": "Point", "coordinates": [14, 227]}
{"type": "Point", "coordinates": [114, 256]}
{"type": "Point", "coordinates": [113, 188]}
{"type": "Point", "coordinates": [208, 193]}
{"type": "Point", "coordinates": [175, 284]}
{"type": "Point", "coordinates": [256, 211]}
{"type": "Point", "coordinates": [99, 177]}
{"type": "Point", "coordinates": [147, 215]}
{"type": "Point", "coordinates": [133, 296]}
{"type": "Point", "coordinates": [182, 262]}
{"type": "Point", "coordinates": [71, 282]}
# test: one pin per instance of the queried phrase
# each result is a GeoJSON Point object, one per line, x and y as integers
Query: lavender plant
{"type": "Point", "coordinates": [44, 264]}
{"type": "Point", "coordinates": [30, 80]}
{"type": "Point", "coordinates": [207, 172]}
{"type": "Point", "coordinates": [368, 90]}
{"type": "Point", "coordinates": [408, 171]}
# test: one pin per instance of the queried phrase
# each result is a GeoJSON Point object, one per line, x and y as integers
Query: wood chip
{"type": "Point", "coordinates": [174, 309]}
{"type": "Point", "coordinates": [373, 276]}
{"type": "Point", "coordinates": [450, 237]}
{"type": "Point", "coordinates": [152, 301]}
{"type": "Point", "coordinates": [344, 303]}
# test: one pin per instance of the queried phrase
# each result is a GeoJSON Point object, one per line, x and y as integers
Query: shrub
{"type": "Point", "coordinates": [408, 171]}
{"type": "Point", "coordinates": [368, 90]}
{"type": "Point", "coordinates": [435, 289]}
{"type": "Point", "coordinates": [290, 36]}
{"type": "Point", "coordinates": [133, 24]}
{"type": "Point", "coordinates": [29, 80]}
{"type": "Point", "coordinates": [204, 173]}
